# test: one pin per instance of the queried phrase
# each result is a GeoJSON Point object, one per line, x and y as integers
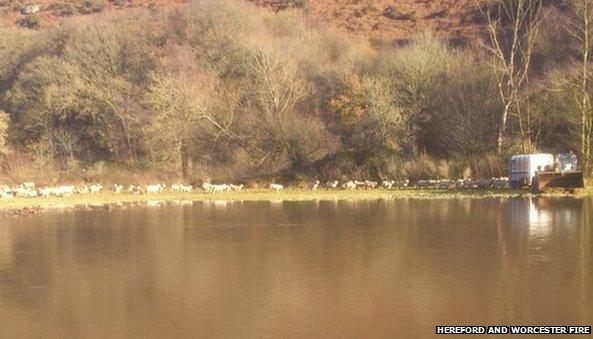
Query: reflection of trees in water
{"type": "Point", "coordinates": [339, 266]}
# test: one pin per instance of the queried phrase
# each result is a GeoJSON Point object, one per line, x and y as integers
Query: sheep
{"type": "Point", "coordinates": [29, 185]}
{"type": "Point", "coordinates": [23, 192]}
{"type": "Point", "coordinates": [117, 189]}
{"type": "Point", "coordinates": [331, 184]}
{"type": "Point", "coordinates": [276, 187]}
{"type": "Point", "coordinates": [387, 183]}
{"type": "Point", "coordinates": [31, 9]}
{"type": "Point", "coordinates": [403, 183]}
{"type": "Point", "coordinates": [95, 188]}
{"type": "Point", "coordinates": [350, 185]}
{"type": "Point", "coordinates": [236, 188]}
{"type": "Point", "coordinates": [6, 195]}
{"type": "Point", "coordinates": [359, 183]}
{"type": "Point", "coordinates": [60, 191]}
{"type": "Point", "coordinates": [84, 189]}
{"type": "Point", "coordinates": [500, 183]}
{"type": "Point", "coordinates": [134, 189]}
{"type": "Point", "coordinates": [314, 185]}
{"type": "Point", "coordinates": [181, 188]}
{"type": "Point", "coordinates": [445, 184]}
{"type": "Point", "coordinates": [45, 192]}
{"type": "Point", "coordinates": [427, 183]}
{"type": "Point", "coordinates": [66, 191]}
{"type": "Point", "coordinates": [370, 184]}
{"type": "Point", "coordinates": [220, 188]}
{"type": "Point", "coordinates": [468, 183]}
{"type": "Point", "coordinates": [483, 183]}
{"type": "Point", "coordinates": [207, 187]}
{"type": "Point", "coordinates": [155, 188]}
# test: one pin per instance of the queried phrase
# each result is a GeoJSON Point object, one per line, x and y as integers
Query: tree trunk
{"type": "Point", "coordinates": [501, 129]}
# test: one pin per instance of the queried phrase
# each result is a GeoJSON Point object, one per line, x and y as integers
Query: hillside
{"type": "Point", "coordinates": [456, 20]}
{"type": "Point", "coordinates": [384, 20]}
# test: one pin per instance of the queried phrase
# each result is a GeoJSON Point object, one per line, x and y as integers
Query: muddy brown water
{"type": "Point", "coordinates": [365, 269]}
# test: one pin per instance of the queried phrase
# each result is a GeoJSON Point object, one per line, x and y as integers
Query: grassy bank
{"type": "Point", "coordinates": [34, 205]}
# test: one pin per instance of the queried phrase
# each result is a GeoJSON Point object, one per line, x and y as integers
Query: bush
{"type": "Point", "coordinates": [15, 5]}
{"type": "Point", "coordinates": [93, 6]}
{"type": "Point", "coordinates": [224, 90]}
{"type": "Point", "coordinates": [31, 21]}
{"type": "Point", "coordinates": [64, 8]}
{"type": "Point", "coordinates": [292, 3]}
{"type": "Point", "coordinates": [393, 13]}
{"type": "Point", "coordinates": [425, 167]}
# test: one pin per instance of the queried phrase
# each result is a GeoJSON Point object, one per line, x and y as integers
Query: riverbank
{"type": "Point", "coordinates": [24, 206]}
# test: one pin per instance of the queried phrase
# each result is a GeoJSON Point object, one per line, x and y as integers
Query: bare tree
{"type": "Point", "coordinates": [182, 109]}
{"type": "Point", "coordinates": [581, 28]}
{"type": "Point", "coordinates": [4, 119]}
{"type": "Point", "coordinates": [512, 29]}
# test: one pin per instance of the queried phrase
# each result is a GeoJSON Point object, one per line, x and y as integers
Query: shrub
{"type": "Point", "coordinates": [31, 21]}
{"type": "Point", "coordinates": [294, 3]}
{"type": "Point", "coordinates": [394, 13]}
{"type": "Point", "coordinates": [64, 8]}
{"type": "Point", "coordinates": [93, 6]}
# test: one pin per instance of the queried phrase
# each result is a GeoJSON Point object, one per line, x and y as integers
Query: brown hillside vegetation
{"type": "Point", "coordinates": [382, 21]}
{"type": "Point", "coordinates": [222, 89]}
{"type": "Point", "coordinates": [457, 20]}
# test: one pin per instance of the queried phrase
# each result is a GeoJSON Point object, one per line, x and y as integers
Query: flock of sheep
{"type": "Point", "coordinates": [29, 189]}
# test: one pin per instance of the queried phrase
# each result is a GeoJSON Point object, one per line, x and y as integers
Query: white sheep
{"type": "Point", "coordinates": [403, 183]}
{"type": "Point", "coordinates": [155, 188]}
{"type": "Point", "coordinates": [220, 188]}
{"type": "Point", "coordinates": [62, 191]}
{"type": "Point", "coordinates": [387, 183]}
{"type": "Point", "coordinates": [236, 187]}
{"type": "Point", "coordinates": [332, 184]}
{"type": "Point", "coordinates": [181, 188]}
{"type": "Point", "coordinates": [359, 183]}
{"type": "Point", "coordinates": [314, 185]}
{"type": "Point", "coordinates": [29, 185]}
{"type": "Point", "coordinates": [95, 188]}
{"type": "Point", "coordinates": [134, 189]}
{"type": "Point", "coordinates": [207, 187]}
{"type": "Point", "coordinates": [350, 185]}
{"type": "Point", "coordinates": [6, 195]}
{"type": "Point", "coordinates": [276, 187]}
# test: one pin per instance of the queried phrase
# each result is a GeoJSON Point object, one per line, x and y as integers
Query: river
{"type": "Point", "coordinates": [338, 269]}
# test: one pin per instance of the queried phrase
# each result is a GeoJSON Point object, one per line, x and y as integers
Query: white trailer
{"type": "Point", "coordinates": [522, 168]}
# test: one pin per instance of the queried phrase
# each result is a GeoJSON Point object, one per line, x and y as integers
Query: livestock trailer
{"type": "Point", "coordinates": [522, 168]}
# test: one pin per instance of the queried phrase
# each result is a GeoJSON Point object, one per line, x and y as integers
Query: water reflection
{"type": "Point", "coordinates": [288, 269]}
